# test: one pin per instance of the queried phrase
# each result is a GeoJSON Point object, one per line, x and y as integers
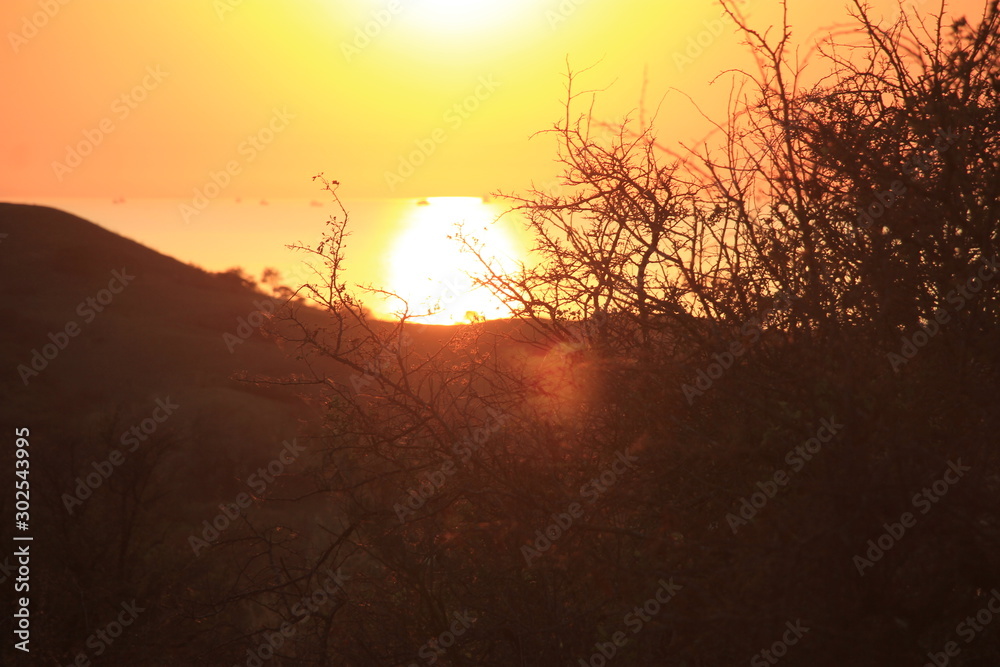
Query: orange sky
{"type": "Point", "coordinates": [210, 117]}
{"type": "Point", "coordinates": [168, 91]}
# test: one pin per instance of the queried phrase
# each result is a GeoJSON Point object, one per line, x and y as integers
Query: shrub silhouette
{"type": "Point", "coordinates": [735, 299]}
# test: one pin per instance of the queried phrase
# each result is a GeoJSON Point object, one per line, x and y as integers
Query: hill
{"type": "Point", "coordinates": [134, 375]}
{"type": "Point", "coordinates": [103, 336]}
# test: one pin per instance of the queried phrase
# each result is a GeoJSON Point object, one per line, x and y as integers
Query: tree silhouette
{"type": "Point", "coordinates": [693, 323]}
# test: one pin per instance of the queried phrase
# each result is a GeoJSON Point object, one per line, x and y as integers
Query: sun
{"type": "Point", "coordinates": [450, 11]}
{"type": "Point", "coordinates": [458, 14]}
{"type": "Point", "coordinates": [429, 269]}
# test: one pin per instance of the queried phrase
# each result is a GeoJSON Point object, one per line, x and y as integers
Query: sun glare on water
{"type": "Point", "coordinates": [429, 269]}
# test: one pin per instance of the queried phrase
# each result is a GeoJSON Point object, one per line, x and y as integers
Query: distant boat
{"type": "Point", "coordinates": [423, 202]}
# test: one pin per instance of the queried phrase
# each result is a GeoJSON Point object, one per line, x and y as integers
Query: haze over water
{"type": "Point", "coordinates": [253, 233]}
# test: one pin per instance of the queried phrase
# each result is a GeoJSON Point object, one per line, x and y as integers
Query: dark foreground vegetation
{"type": "Point", "coordinates": [746, 410]}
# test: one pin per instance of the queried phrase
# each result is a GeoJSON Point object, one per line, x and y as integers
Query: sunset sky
{"type": "Point", "coordinates": [354, 109]}
{"type": "Point", "coordinates": [409, 98]}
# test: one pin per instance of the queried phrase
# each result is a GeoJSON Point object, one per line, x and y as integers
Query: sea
{"type": "Point", "coordinates": [397, 244]}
